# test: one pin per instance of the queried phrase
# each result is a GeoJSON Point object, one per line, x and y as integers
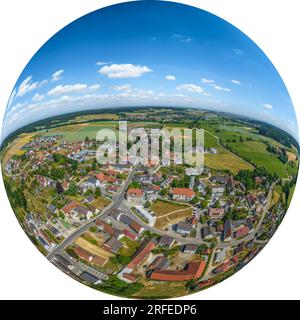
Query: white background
{"type": "Point", "coordinates": [26, 25]}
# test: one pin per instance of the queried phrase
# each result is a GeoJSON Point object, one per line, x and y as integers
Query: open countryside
{"type": "Point", "coordinates": [151, 231]}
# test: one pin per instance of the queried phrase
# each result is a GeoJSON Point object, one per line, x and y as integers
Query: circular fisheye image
{"type": "Point", "coordinates": [149, 150]}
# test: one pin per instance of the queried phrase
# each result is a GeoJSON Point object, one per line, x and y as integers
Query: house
{"type": "Point", "coordinates": [160, 263]}
{"type": "Point", "coordinates": [89, 200]}
{"type": "Point", "coordinates": [130, 235]}
{"type": "Point", "coordinates": [55, 232]}
{"type": "Point", "coordinates": [242, 232]}
{"type": "Point", "coordinates": [107, 228]}
{"type": "Point", "coordinates": [219, 179]}
{"type": "Point", "coordinates": [189, 248]}
{"type": "Point", "coordinates": [82, 213]}
{"type": "Point", "coordinates": [251, 199]}
{"type": "Point", "coordinates": [136, 227]}
{"type": "Point", "coordinates": [112, 188]}
{"type": "Point", "coordinates": [135, 195]}
{"type": "Point", "coordinates": [130, 277]}
{"type": "Point", "coordinates": [90, 183]}
{"type": "Point", "coordinates": [184, 228]}
{"type": "Point", "coordinates": [88, 277]}
{"type": "Point", "coordinates": [222, 268]}
{"type": "Point", "coordinates": [204, 284]}
{"type": "Point", "coordinates": [112, 245]}
{"type": "Point", "coordinates": [52, 209]}
{"type": "Point", "coordinates": [220, 256]}
{"type": "Point", "coordinates": [218, 190]}
{"type": "Point", "coordinates": [141, 254]}
{"type": "Point", "coordinates": [262, 199]}
{"type": "Point", "coordinates": [183, 194]}
{"type": "Point", "coordinates": [146, 215]}
{"type": "Point", "coordinates": [166, 241]}
{"type": "Point", "coordinates": [258, 180]}
{"type": "Point", "coordinates": [83, 254]}
{"type": "Point", "coordinates": [227, 234]}
{"type": "Point", "coordinates": [249, 225]}
{"type": "Point", "coordinates": [207, 233]}
{"type": "Point", "coordinates": [193, 270]}
{"type": "Point", "coordinates": [216, 213]}
{"type": "Point", "coordinates": [69, 207]}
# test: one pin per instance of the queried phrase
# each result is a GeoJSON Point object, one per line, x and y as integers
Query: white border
{"type": "Point", "coordinates": [26, 25]}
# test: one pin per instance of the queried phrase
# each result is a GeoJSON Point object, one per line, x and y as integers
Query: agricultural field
{"type": "Point", "coordinates": [79, 132]}
{"type": "Point", "coordinates": [257, 152]}
{"type": "Point", "coordinates": [15, 148]}
{"type": "Point", "coordinates": [225, 160]}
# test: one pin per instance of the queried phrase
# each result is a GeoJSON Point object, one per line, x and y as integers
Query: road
{"type": "Point", "coordinates": [116, 203]}
{"type": "Point", "coordinates": [113, 205]}
{"type": "Point", "coordinates": [199, 240]}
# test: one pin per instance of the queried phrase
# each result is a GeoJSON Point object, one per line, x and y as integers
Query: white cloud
{"type": "Point", "coordinates": [221, 88]}
{"type": "Point", "coordinates": [190, 87]}
{"type": "Point", "coordinates": [170, 78]}
{"type": "Point", "coordinates": [236, 82]}
{"type": "Point", "coordinates": [72, 88]}
{"type": "Point", "coordinates": [27, 85]}
{"type": "Point", "coordinates": [238, 51]}
{"type": "Point", "coordinates": [125, 70]}
{"type": "Point", "coordinates": [268, 106]}
{"type": "Point", "coordinates": [11, 98]}
{"type": "Point", "coordinates": [122, 87]}
{"type": "Point", "coordinates": [181, 37]}
{"type": "Point", "coordinates": [102, 63]}
{"type": "Point", "coordinates": [204, 80]}
{"type": "Point", "coordinates": [38, 97]}
{"type": "Point", "coordinates": [57, 75]}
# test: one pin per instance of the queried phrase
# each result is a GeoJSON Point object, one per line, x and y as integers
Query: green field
{"type": "Point", "coordinates": [257, 152]}
{"type": "Point", "coordinates": [74, 133]}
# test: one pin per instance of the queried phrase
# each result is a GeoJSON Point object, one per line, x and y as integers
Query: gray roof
{"type": "Point", "coordinates": [89, 277]}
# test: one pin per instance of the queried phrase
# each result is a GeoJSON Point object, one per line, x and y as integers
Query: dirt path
{"type": "Point", "coordinates": [169, 213]}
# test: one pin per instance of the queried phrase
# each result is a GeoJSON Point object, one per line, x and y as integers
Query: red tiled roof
{"type": "Point", "coordinates": [129, 234]}
{"type": "Point", "coordinates": [242, 232]}
{"type": "Point", "coordinates": [141, 254]}
{"type": "Point", "coordinates": [130, 276]}
{"type": "Point", "coordinates": [194, 271]}
{"type": "Point", "coordinates": [183, 192]}
{"type": "Point", "coordinates": [69, 207]}
{"type": "Point", "coordinates": [135, 192]}
{"type": "Point", "coordinates": [216, 212]}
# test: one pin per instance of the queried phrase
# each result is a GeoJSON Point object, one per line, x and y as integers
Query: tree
{"type": "Point", "coordinates": [72, 188]}
{"type": "Point", "coordinates": [147, 204]}
{"type": "Point", "coordinates": [98, 192]}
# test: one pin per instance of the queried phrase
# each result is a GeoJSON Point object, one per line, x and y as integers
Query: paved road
{"type": "Point", "coordinates": [113, 205]}
{"type": "Point", "coordinates": [117, 204]}
{"type": "Point", "coordinates": [199, 240]}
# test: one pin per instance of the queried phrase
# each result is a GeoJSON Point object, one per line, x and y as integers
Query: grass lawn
{"type": "Point", "coordinates": [160, 290]}
{"type": "Point", "coordinates": [292, 190]}
{"type": "Point", "coordinates": [257, 152]}
{"type": "Point", "coordinates": [129, 247]}
{"type": "Point", "coordinates": [101, 202]}
{"type": "Point", "coordinates": [161, 208]}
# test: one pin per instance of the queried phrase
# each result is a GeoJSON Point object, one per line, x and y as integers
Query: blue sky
{"type": "Point", "coordinates": [150, 53]}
